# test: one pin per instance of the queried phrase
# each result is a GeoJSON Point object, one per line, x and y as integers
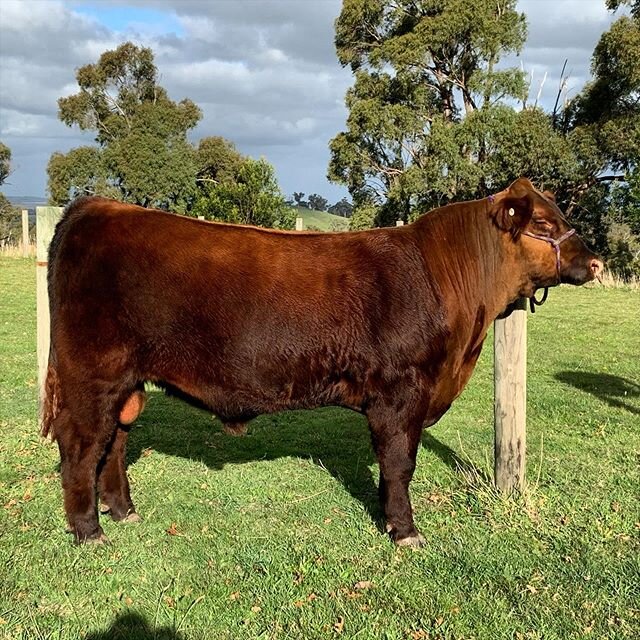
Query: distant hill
{"type": "Point", "coordinates": [27, 202]}
{"type": "Point", "coordinates": [321, 220]}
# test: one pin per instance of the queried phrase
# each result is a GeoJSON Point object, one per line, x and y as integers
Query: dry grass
{"type": "Point", "coordinates": [15, 251]}
{"type": "Point", "coordinates": [611, 281]}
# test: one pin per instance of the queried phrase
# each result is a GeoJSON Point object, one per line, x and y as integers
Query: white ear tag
{"type": "Point", "coordinates": [512, 211]}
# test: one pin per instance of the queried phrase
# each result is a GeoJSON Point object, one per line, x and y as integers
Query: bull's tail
{"type": "Point", "coordinates": [51, 401]}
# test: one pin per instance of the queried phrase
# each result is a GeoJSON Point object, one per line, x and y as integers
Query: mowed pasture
{"type": "Point", "coordinates": [278, 534]}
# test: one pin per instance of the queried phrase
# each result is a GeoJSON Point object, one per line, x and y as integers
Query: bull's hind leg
{"type": "Point", "coordinates": [395, 440]}
{"type": "Point", "coordinates": [113, 483]}
{"type": "Point", "coordinates": [82, 444]}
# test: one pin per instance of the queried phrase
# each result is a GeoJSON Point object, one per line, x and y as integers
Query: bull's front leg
{"type": "Point", "coordinates": [395, 440]}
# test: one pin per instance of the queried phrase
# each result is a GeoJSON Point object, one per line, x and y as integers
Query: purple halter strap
{"type": "Point", "coordinates": [554, 242]}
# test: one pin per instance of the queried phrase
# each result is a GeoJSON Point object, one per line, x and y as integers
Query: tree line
{"type": "Point", "coordinates": [316, 202]}
{"type": "Point", "coordinates": [433, 117]}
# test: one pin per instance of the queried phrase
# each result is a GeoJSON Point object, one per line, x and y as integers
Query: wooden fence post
{"type": "Point", "coordinates": [25, 233]}
{"type": "Point", "coordinates": [510, 397]}
{"type": "Point", "coordinates": [46, 220]}
{"type": "Point", "coordinates": [299, 224]}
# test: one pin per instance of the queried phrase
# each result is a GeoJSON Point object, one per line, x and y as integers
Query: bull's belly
{"type": "Point", "coordinates": [236, 399]}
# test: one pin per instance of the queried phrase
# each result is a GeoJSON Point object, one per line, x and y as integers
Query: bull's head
{"type": "Point", "coordinates": [544, 242]}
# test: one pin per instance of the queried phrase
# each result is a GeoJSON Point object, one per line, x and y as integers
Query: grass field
{"type": "Point", "coordinates": [277, 535]}
{"type": "Point", "coordinates": [321, 220]}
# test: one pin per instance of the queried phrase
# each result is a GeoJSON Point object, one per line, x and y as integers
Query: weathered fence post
{"type": "Point", "coordinates": [299, 224]}
{"type": "Point", "coordinates": [25, 233]}
{"type": "Point", "coordinates": [510, 396]}
{"type": "Point", "coordinates": [46, 220]}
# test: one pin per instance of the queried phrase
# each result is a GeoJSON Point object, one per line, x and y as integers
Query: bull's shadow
{"type": "Point", "coordinates": [132, 626]}
{"type": "Point", "coordinates": [336, 439]}
{"type": "Point", "coordinates": [616, 391]}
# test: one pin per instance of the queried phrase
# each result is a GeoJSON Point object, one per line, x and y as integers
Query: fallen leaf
{"type": "Point", "coordinates": [339, 625]}
{"type": "Point", "coordinates": [363, 584]}
{"type": "Point", "coordinates": [146, 452]}
{"type": "Point", "coordinates": [256, 608]}
{"type": "Point", "coordinates": [173, 530]}
{"type": "Point", "coordinates": [235, 595]}
{"type": "Point", "coordinates": [128, 601]}
{"type": "Point", "coordinates": [171, 603]}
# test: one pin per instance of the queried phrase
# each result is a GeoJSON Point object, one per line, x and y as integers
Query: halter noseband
{"type": "Point", "coordinates": [555, 243]}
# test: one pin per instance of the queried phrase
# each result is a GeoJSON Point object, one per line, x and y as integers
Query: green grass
{"type": "Point", "coordinates": [279, 532]}
{"type": "Point", "coordinates": [321, 220]}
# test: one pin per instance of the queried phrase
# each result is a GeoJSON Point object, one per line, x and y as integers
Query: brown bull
{"type": "Point", "coordinates": [245, 321]}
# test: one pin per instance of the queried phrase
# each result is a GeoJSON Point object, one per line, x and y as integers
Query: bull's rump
{"type": "Point", "coordinates": [220, 311]}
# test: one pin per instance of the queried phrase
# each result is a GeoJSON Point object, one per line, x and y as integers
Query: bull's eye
{"type": "Point", "coordinates": [542, 223]}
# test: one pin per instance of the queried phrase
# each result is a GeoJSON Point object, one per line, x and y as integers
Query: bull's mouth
{"type": "Point", "coordinates": [582, 274]}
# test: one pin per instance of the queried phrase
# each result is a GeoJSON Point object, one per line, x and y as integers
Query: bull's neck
{"type": "Point", "coordinates": [470, 258]}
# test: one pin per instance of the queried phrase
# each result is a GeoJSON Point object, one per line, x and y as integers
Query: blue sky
{"type": "Point", "coordinates": [264, 72]}
{"type": "Point", "coordinates": [133, 19]}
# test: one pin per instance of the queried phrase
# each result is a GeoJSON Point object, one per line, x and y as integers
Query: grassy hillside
{"type": "Point", "coordinates": [321, 220]}
{"type": "Point", "coordinates": [278, 534]}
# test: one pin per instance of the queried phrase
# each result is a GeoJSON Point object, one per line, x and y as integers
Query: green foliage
{"type": "Point", "coordinates": [419, 66]}
{"type": "Point", "coordinates": [10, 223]}
{"type": "Point", "coordinates": [317, 202]}
{"type": "Point", "coordinates": [602, 124]}
{"type": "Point", "coordinates": [143, 154]}
{"type": "Point", "coordinates": [342, 208]}
{"type": "Point", "coordinates": [250, 196]}
{"type": "Point", "coordinates": [217, 160]}
{"type": "Point", "coordinates": [5, 162]}
{"type": "Point", "coordinates": [79, 172]}
{"type": "Point", "coordinates": [9, 220]}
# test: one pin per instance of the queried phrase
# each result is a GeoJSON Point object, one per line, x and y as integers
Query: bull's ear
{"type": "Point", "coordinates": [549, 195]}
{"type": "Point", "coordinates": [513, 214]}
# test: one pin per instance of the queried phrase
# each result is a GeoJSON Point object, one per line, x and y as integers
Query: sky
{"type": "Point", "coordinates": [264, 72]}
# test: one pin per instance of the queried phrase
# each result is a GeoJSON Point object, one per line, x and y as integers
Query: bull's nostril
{"type": "Point", "coordinates": [596, 267]}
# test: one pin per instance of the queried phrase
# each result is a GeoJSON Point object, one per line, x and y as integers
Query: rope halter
{"type": "Point", "coordinates": [555, 243]}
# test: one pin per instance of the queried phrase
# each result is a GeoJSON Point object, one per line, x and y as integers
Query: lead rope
{"type": "Point", "coordinates": [533, 303]}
